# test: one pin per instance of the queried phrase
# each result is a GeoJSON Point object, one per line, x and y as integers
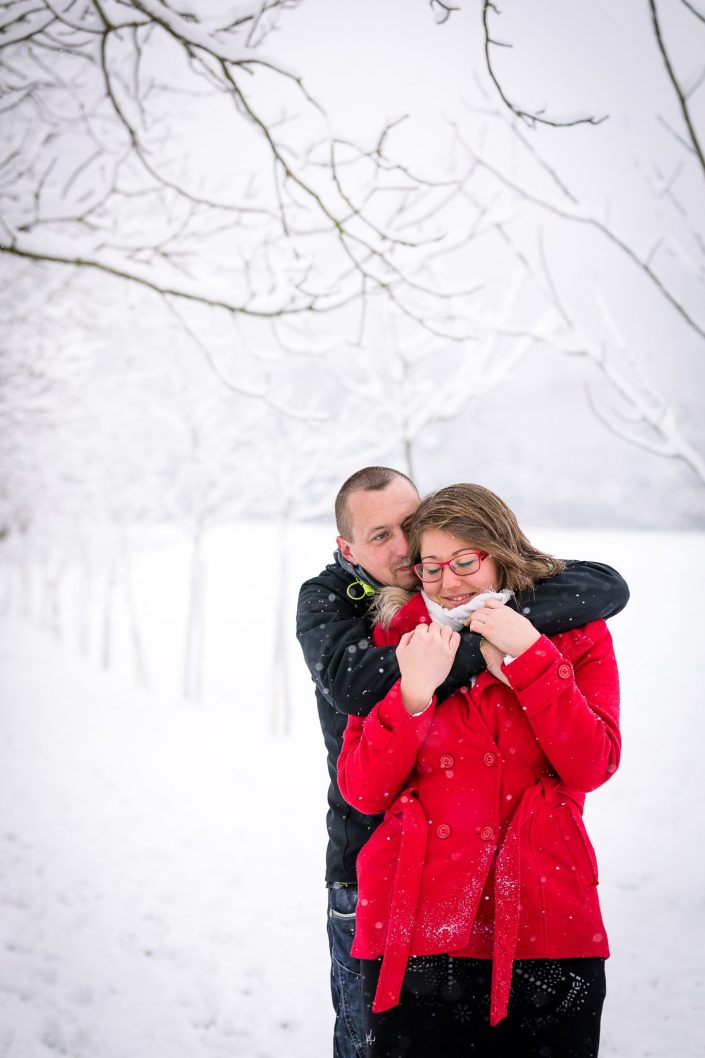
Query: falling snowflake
{"type": "Point", "coordinates": [462, 1013]}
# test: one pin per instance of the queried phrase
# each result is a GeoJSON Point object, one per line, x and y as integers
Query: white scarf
{"type": "Point", "coordinates": [457, 617]}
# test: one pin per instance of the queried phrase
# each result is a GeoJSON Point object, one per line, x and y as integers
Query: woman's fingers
{"type": "Point", "coordinates": [503, 626]}
{"type": "Point", "coordinates": [445, 634]}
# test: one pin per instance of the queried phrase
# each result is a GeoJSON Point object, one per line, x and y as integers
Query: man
{"type": "Point", "coordinates": [351, 676]}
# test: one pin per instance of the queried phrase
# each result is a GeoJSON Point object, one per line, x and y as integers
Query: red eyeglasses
{"type": "Point", "coordinates": [464, 565]}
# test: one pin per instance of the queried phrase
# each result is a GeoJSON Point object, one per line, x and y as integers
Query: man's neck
{"type": "Point", "coordinates": [359, 572]}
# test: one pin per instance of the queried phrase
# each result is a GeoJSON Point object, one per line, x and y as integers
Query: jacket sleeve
{"type": "Point", "coordinates": [334, 636]}
{"type": "Point", "coordinates": [581, 593]}
{"type": "Point", "coordinates": [573, 709]}
{"type": "Point", "coordinates": [379, 753]}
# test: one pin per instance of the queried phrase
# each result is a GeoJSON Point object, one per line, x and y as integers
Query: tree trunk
{"type": "Point", "coordinates": [409, 458]}
{"type": "Point", "coordinates": [84, 603]}
{"type": "Point", "coordinates": [138, 654]}
{"type": "Point", "coordinates": [7, 594]}
{"type": "Point", "coordinates": [108, 598]}
{"type": "Point", "coordinates": [193, 647]}
{"type": "Point", "coordinates": [55, 606]}
{"type": "Point", "coordinates": [25, 574]}
{"type": "Point", "coordinates": [51, 604]}
{"type": "Point", "coordinates": [280, 712]}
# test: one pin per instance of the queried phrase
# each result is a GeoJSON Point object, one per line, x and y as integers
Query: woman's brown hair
{"type": "Point", "coordinates": [483, 520]}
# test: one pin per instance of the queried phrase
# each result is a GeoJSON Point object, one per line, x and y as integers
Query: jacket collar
{"type": "Point", "coordinates": [368, 585]}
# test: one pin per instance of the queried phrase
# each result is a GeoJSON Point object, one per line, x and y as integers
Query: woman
{"type": "Point", "coordinates": [478, 923]}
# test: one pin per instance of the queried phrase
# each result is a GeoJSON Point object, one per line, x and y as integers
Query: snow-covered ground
{"type": "Point", "coordinates": [161, 864]}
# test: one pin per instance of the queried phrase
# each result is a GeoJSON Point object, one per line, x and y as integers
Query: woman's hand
{"type": "Point", "coordinates": [509, 631]}
{"type": "Point", "coordinates": [425, 658]}
{"type": "Point", "coordinates": [493, 660]}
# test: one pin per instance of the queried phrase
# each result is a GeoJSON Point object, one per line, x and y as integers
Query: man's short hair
{"type": "Point", "coordinates": [369, 479]}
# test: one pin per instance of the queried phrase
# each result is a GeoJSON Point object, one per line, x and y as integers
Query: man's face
{"type": "Point", "coordinates": [377, 542]}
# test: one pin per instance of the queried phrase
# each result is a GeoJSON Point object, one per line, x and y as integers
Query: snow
{"type": "Point", "coordinates": [161, 863]}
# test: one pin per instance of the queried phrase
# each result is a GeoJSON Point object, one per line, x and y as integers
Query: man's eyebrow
{"type": "Point", "coordinates": [376, 529]}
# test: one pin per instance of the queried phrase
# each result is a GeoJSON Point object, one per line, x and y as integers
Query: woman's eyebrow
{"type": "Point", "coordinates": [458, 552]}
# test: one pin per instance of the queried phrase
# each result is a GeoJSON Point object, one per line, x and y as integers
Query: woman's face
{"type": "Point", "coordinates": [453, 589]}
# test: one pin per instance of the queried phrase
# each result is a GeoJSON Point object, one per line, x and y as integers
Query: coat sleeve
{"type": "Point", "coordinates": [573, 709]}
{"type": "Point", "coordinates": [379, 753]}
{"type": "Point", "coordinates": [335, 639]}
{"type": "Point", "coordinates": [581, 593]}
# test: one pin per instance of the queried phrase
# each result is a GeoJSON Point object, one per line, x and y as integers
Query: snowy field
{"type": "Point", "coordinates": [161, 863]}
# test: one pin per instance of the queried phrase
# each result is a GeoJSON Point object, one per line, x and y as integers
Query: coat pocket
{"type": "Point", "coordinates": [577, 843]}
{"type": "Point", "coordinates": [377, 857]}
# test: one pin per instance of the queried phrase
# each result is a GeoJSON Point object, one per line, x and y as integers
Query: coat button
{"type": "Point", "coordinates": [443, 830]}
{"type": "Point", "coordinates": [565, 671]}
{"type": "Point", "coordinates": [447, 761]}
{"type": "Point", "coordinates": [487, 833]}
{"type": "Point", "coordinates": [490, 759]}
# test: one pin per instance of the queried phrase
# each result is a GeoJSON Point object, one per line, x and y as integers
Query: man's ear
{"type": "Point", "coordinates": [345, 549]}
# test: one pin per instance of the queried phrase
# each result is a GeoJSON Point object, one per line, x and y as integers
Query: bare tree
{"type": "Point", "coordinates": [664, 262]}
{"type": "Point", "coordinates": [269, 217]}
{"type": "Point", "coordinates": [421, 382]}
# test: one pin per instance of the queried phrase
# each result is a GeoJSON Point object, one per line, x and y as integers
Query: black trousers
{"type": "Point", "coordinates": [555, 1008]}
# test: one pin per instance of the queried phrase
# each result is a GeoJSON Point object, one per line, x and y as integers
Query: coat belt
{"type": "Point", "coordinates": [407, 885]}
{"type": "Point", "coordinates": [405, 898]}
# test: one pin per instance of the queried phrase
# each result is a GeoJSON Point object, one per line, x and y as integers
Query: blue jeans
{"type": "Point", "coordinates": [345, 981]}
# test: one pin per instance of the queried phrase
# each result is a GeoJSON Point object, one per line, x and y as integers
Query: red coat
{"type": "Point", "coordinates": [482, 851]}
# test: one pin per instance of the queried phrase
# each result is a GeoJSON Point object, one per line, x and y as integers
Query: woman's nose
{"type": "Point", "coordinates": [449, 576]}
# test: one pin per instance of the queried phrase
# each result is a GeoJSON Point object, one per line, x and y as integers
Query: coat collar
{"type": "Point", "coordinates": [358, 572]}
{"type": "Point", "coordinates": [412, 613]}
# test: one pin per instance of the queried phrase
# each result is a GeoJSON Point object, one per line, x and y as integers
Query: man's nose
{"type": "Point", "coordinates": [401, 545]}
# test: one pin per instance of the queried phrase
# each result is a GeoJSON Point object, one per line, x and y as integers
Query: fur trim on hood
{"type": "Point", "coordinates": [388, 602]}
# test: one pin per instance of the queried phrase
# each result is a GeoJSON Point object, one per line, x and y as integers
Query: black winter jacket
{"type": "Point", "coordinates": [351, 676]}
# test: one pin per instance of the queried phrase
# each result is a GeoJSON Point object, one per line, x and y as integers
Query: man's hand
{"type": "Point", "coordinates": [493, 659]}
{"type": "Point", "coordinates": [509, 631]}
{"type": "Point", "coordinates": [425, 657]}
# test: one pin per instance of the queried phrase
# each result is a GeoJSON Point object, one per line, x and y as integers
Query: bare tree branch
{"type": "Point", "coordinates": [693, 10]}
{"type": "Point", "coordinates": [680, 95]}
{"type": "Point", "coordinates": [441, 11]}
{"type": "Point", "coordinates": [97, 84]}
{"type": "Point", "coordinates": [526, 116]}
{"type": "Point", "coordinates": [262, 393]}
{"type": "Point", "coordinates": [598, 225]}
{"type": "Point", "coordinates": [169, 291]}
